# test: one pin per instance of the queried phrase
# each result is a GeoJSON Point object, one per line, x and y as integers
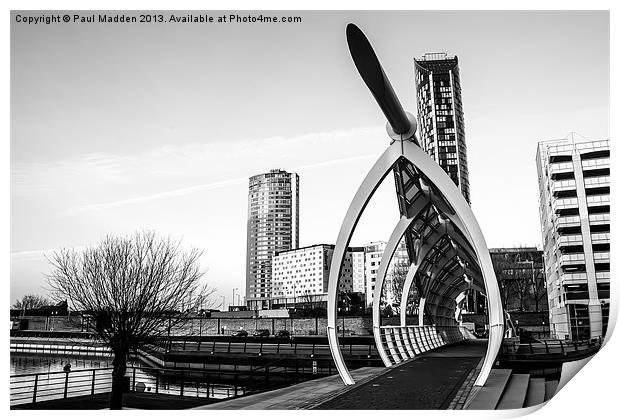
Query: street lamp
{"type": "Point", "coordinates": [233, 295]}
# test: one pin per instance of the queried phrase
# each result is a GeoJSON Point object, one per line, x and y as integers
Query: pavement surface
{"type": "Point", "coordinates": [428, 382]}
{"type": "Point", "coordinates": [295, 397]}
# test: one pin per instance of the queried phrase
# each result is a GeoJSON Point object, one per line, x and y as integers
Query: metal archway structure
{"type": "Point", "coordinates": [446, 248]}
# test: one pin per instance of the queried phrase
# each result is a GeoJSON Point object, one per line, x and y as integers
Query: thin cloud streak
{"type": "Point", "coordinates": [37, 254]}
{"type": "Point", "coordinates": [198, 188]}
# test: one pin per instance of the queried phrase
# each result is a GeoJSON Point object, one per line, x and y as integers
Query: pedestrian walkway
{"type": "Point", "coordinates": [299, 396]}
{"type": "Point", "coordinates": [431, 381]}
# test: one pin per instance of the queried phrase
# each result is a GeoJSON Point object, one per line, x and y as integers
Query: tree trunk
{"type": "Point", "coordinates": [118, 380]}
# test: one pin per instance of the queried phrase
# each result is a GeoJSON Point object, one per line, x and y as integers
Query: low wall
{"type": "Point", "coordinates": [355, 325]}
{"type": "Point", "coordinates": [227, 326]}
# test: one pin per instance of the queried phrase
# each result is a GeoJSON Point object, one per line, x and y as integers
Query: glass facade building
{"type": "Point", "coordinates": [441, 129]}
{"type": "Point", "coordinates": [273, 226]}
{"type": "Point", "coordinates": [574, 216]}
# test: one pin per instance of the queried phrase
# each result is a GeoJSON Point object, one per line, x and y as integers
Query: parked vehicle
{"type": "Point", "coordinates": [261, 333]}
{"type": "Point", "coordinates": [283, 334]}
{"type": "Point", "coordinates": [240, 333]}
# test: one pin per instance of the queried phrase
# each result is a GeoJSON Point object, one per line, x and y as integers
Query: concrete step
{"type": "Point", "coordinates": [514, 393]}
{"type": "Point", "coordinates": [535, 392]}
{"type": "Point", "coordinates": [550, 388]}
{"type": "Point", "coordinates": [488, 396]}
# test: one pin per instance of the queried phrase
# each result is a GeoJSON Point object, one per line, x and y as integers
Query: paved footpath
{"type": "Point", "coordinates": [295, 397]}
{"type": "Point", "coordinates": [428, 382]}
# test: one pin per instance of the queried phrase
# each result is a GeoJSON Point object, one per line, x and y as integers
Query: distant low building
{"type": "Point", "coordinates": [301, 276]}
{"type": "Point", "coordinates": [520, 273]}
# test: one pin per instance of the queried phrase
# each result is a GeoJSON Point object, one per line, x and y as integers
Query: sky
{"type": "Point", "coordinates": [121, 127]}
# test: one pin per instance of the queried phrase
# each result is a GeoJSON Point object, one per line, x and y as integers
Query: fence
{"type": "Point", "coordinates": [218, 384]}
{"type": "Point", "coordinates": [28, 388]}
{"type": "Point", "coordinates": [403, 343]}
{"type": "Point", "coordinates": [299, 346]}
{"type": "Point", "coordinates": [57, 348]}
{"type": "Point", "coordinates": [515, 350]}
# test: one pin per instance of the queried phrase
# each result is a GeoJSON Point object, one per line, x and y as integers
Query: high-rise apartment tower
{"type": "Point", "coordinates": [273, 226]}
{"type": "Point", "coordinates": [441, 129]}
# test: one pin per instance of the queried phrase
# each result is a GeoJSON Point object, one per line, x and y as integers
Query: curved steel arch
{"type": "Point", "coordinates": [421, 256]}
{"type": "Point", "coordinates": [411, 152]}
{"type": "Point", "coordinates": [423, 176]}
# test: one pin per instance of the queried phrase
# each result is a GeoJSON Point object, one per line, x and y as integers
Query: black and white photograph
{"type": "Point", "coordinates": [307, 209]}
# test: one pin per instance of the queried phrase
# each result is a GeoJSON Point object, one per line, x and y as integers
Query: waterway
{"type": "Point", "coordinates": [24, 364]}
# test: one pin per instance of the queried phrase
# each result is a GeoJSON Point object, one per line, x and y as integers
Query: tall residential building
{"type": "Point", "coordinates": [273, 226]}
{"type": "Point", "coordinates": [573, 179]}
{"type": "Point", "coordinates": [441, 128]}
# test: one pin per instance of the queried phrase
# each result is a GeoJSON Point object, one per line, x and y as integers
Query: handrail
{"type": "Point", "coordinates": [30, 388]}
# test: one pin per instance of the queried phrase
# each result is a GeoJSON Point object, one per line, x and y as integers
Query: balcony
{"type": "Point", "coordinates": [572, 259]}
{"type": "Point", "coordinates": [568, 278]}
{"type": "Point", "coordinates": [602, 276]}
{"type": "Point", "coordinates": [593, 146]}
{"type": "Point", "coordinates": [560, 168]}
{"type": "Point", "coordinates": [598, 200]}
{"type": "Point", "coordinates": [591, 164]}
{"type": "Point", "coordinates": [601, 257]}
{"type": "Point", "coordinates": [600, 238]}
{"type": "Point", "coordinates": [564, 185]}
{"type": "Point", "coordinates": [596, 181]}
{"type": "Point", "coordinates": [570, 240]}
{"type": "Point", "coordinates": [599, 219]}
{"type": "Point", "coordinates": [567, 222]}
{"type": "Point", "coordinates": [560, 150]}
{"type": "Point", "coordinates": [566, 203]}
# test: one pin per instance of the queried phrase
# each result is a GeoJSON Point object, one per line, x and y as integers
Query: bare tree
{"type": "Point", "coordinates": [397, 281]}
{"type": "Point", "coordinates": [131, 288]}
{"type": "Point", "coordinates": [539, 287]}
{"type": "Point", "coordinates": [504, 280]}
{"type": "Point", "coordinates": [309, 300]}
{"type": "Point", "coordinates": [31, 302]}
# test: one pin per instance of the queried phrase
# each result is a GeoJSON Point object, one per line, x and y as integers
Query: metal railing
{"type": "Point", "coordinates": [295, 346]}
{"type": "Point", "coordinates": [403, 343]}
{"type": "Point", "coordinates": [60, 348]}
{"type": "Point", "coordinates": [515, 349]}
{"type": "Point", "coordinates": [215, 383]}
{"type": "Point", "coordinates": [27, 388]}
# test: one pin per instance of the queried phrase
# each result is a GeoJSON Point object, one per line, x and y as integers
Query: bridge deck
{"type": "Point", "coordinates": [428, 382]}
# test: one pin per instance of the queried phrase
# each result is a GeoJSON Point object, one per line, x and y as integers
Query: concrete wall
{"type": "Point", "coordinates": [55, 323]}
{"type": "Point", "coordinates": [296, 326]}
{"type": "Point", "coordinates": [213, 326]}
